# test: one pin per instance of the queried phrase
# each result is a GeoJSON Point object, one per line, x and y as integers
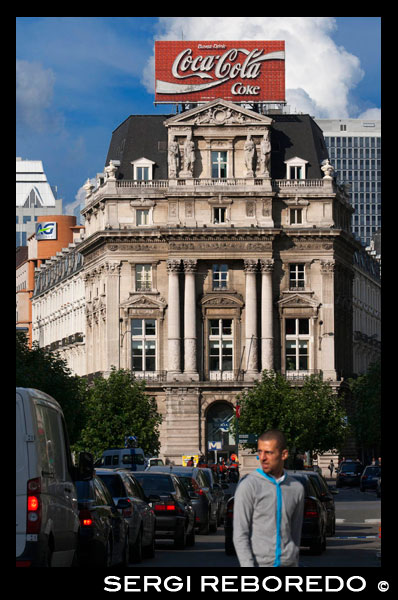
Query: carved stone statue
{"type": "Point", "coordinates": [328, 169]}
{"type": "Point", "coordinates": [249, 155]}
{"type": "Point", "coordinates": [110, 171]}
{"type": "Point", "coordinates": [265, 156]}
{"type": "Point", "coordinates": [173, 157]}
{"type": "Point", "coordinates": [189, 154]}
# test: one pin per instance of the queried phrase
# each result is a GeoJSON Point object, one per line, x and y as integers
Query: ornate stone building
{"type": "Point", "coordinates": [217, 245]}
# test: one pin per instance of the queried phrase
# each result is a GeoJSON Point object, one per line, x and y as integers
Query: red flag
{"type": "Point", "coordinates": [237, 409]}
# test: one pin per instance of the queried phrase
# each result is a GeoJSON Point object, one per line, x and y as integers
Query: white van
{"type": "Point", "coordinates": [47, 516]}
{"type": "Point", "coordinates": [132, 459]}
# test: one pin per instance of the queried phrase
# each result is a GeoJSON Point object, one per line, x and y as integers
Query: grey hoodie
{"type": "Point", "coordinates": [268, 517]}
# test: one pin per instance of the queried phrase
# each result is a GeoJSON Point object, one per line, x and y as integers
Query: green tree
{"type": "Point", "coordinates": [365, 414]}
{"type": "Point", "coordinates": [46, 371]}
{"type": "Point", "coordinates": [116, 408]}
{"type": "Point", "coordinates": [311, 416]}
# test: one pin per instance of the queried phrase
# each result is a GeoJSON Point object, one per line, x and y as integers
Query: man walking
{"type": "Point", "coordinates": [268, 509]}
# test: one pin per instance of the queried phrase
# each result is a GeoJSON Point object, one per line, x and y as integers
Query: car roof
{"type": "Point", "coordinates": [151, 472]}
{"type": "Point", "coordinates": [101, 471]}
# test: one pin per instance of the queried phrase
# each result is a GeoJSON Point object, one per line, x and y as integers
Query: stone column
{"type": "Point", "coordinates": [111, 320]}
{"type": "Point", "coordinates": [190, 362]}
{"type": "Point", "coordinates": [251, 362]}
{"type": "Point", "coordinates": [267, 342]}
{"type": "Point", "coordinates": [174, 336]}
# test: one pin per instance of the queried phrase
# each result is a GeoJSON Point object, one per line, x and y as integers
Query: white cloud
{"type": "Point", "coordinates": [319, 74]}
{"type": "Point", "coordinates": [34, 95]}
{"type": "Point", "coordinates": [371, 113]}
{"type": "Point", "coordinates": [80, 198]}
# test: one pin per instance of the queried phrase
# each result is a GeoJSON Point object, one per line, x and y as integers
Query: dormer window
{"type": "Point", "coordinates": [143, 169]}
{"type": "Point", "coordinates": [296, 168]}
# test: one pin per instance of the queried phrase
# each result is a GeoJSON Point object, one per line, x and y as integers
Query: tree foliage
{"type": "Point", "coordinates": [116, 408]}
{"type": "Point", "coordinates": [46, 371]}
{"type": "Point", "coordinates": [365, 415]}
{"type": "Point", "coordinates": [311, 416]}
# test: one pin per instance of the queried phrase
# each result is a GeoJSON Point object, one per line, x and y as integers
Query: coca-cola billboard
{"type": "Point", "coordinates": [237, 71]}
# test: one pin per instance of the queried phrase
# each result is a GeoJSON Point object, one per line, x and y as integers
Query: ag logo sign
{"type": "Point", "coordinates": [46, 231]}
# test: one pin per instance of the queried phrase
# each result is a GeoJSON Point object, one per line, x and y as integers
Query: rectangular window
{"type": "Point", "coordinates": [296, 172]}
{"type": "Point", "coordinates": [142, 173]}
{"type": "Point", "coordinates": [143, 344]}
{"type": "Point", "coordinates": [296, 277]}
{"type": "Point", "coordinates": [297, 344]}
{"type": "Point", "coordinates": [296, 216]}
{"type": "Point", "coordinates": [142, 217]}
{"type": "Point", "coordinates": [219, 215]}
{"type": "Point", "coordinates": [220, 277]}
{"type": "Point", "coordinates": [143, 277]}
{"type": "Point", "coordinates": [218, 165]}
{"type": "Point", "coordinates": [220, 345]}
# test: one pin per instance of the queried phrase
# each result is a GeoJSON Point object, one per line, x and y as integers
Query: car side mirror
{"type": "Point", "coordinates": [123, 504]}
{"type": "Point", "coordinates": [192, 495]}
{"type": "Point", "coordinates": [85, 469]}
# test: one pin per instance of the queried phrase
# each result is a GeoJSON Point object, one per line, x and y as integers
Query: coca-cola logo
{"type": "Point", "coordinates": [217, 64]}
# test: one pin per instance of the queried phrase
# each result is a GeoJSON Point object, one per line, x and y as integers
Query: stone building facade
{"type": "Point", "coordinates": [217, 245]}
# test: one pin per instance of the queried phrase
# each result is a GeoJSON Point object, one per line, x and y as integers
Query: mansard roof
{"type": "Point", "coordinates": [147, 135]}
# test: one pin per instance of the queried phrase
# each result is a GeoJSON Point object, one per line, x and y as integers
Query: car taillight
{"type": "Point", "coordinates": [364, 476]}
{"type": "Point", "coordinates": [168, 507]}
{"type": "Point", "coordinates": [128, 512]}
{"type": "Point", "coordinates": [33, 512]}
{"type": "Point", "coordinates": [310, 509]}
{"type": "Point", "coordinates": [85, 518]}
{"type": "Point", "coordinates": [200, 492]}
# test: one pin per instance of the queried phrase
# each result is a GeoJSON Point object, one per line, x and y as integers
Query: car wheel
{"type": "Point", "coordinates": [318, 546]}
{"type": "Point", "coordinates": [191, 537]}
{"type": "Point", "coordinates": [107, 559]}
{"type": "Point", "coordinates": [205, 529]}
{"type": "Point", "coordinates": [149, 551]}
{"type": "Point", "coordinates": [136, 550]}
{"type": "Point", "coordinates": [213, 526]}
{"type": "Point", "coordinates": [180, 540]}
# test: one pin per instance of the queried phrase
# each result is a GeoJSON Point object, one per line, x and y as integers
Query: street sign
{"type": "Point", "coordinates": [214, 445]}
{"type": "Point", "coordinates": [247, 438]}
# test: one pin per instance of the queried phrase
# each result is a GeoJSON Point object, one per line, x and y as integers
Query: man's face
{"type": "Point", "coordinates": [271, 457]}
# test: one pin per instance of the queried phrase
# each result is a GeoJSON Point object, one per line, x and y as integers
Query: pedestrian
{"type": "Point", "coordinates": [379, 461]}
{"type": "Point", "coordinates": [190, 463]}
{"type": "Point", "coordinates": [373, 463]}
{"type": "Point", "coordinates": [268, 509]}
{"type": "Point", "coordinates": [331, 467]}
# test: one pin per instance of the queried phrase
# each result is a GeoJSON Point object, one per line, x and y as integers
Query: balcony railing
{"type": "Point", "coordinates": [156, 376]}
{"type": "Point", "coordinates": [300, 375]}
{"type": "Point", "coordinates": [235, 375]}
{"type": "Point", "coordinates": [228, 182]}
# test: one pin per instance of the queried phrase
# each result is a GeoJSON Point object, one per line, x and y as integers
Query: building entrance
{"type": "Point", "coordinates": [218, 421]}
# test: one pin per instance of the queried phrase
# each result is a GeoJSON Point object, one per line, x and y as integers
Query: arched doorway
{"type": "Point", "coordinates": [218, 419]}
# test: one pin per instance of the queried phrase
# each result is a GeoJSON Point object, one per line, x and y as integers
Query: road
{"type": "Point", "coordinates": [355, 544]}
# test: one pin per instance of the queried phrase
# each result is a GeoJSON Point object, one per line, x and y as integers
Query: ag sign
{"type": "Point", "coordinates": [251, 71]}
{"type": "Point", "coordinates": [46, 231]}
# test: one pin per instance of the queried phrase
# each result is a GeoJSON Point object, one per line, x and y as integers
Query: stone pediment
{"type": "Point", "coordinates": [142, 301]}
{"type": "Point", "coordinates": [222, 300]}
{"type": "Point", "coordinates": [299, 300]}
{"type": "Point", "coordinates": [219, 112]}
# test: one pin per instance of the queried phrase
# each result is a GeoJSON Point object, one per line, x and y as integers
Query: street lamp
{"type": "Point", "coordinates": [121, 342]}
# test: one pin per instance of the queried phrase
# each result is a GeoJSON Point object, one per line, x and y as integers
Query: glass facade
{"type": "Point", "coordinates": [357, 161]}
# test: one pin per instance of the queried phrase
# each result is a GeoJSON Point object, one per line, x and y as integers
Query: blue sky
{"type": "Point", "coordinates": [78, 78]}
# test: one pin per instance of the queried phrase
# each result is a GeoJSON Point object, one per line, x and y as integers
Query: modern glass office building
{"type": "Point", "coordinates": [354, 147]}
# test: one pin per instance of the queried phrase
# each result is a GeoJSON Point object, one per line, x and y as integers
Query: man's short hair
{"type": "Point", "coordinates": [274, 434]}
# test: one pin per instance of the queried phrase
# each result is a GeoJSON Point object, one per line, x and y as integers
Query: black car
{"type": "Point", "coordinates": [103, 533]}
{"type": "Point", "coordinates": [175, 516]}
{"type": "Point", "coordinates": [369, 478]}
{"type": "Point", "coordinates": [203, 500]}
{"type": "Point", "coordinates": [349, 473]}
{"type": "Point", "coordinates": [217, 490]}
{"type": "Point", "coordinates": [314, 529]}
{"type": "Point", "coordinates": [326, 497]}
{"type": "Point", "coordinates": [138, 514]}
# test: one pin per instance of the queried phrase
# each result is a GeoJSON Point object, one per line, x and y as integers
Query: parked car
{"type": "Point", "coordinates": [369, 478]}
{"type": "Point", "coordinates": [104, 532]}
{"type": "Point", "coordinates": [175, 516]}
{"type": "Point", "coordinates": [203, 501]}
{"type": "Point", "coordinates": [139, 515]}
{"type": "Point", "coordinates": [349, 473]}
{"type": "Point", "coordinates": [313, 533]}
{"type": "Point", "coordinates": [125, 458]}
{"type": "Point", "coordinates": [47, 514]}
{"type": "Point", "coordinates": [325, 496]}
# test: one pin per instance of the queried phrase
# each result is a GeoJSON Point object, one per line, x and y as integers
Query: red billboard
{"type": "Point", "coordinates": [236, 71]}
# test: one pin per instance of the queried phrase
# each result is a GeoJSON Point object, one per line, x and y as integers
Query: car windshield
{"type": "Point", "coordinates": [189, 484]}
{"type": "Point", "coordinates": [372, 471]}
{"type": "Point", "coordinates": [114, 484]}
{"type": "Point", "coordinates": [156, 484]}
{"type": "Point", "coordinates": [350, 468]}
{"type": "Point", "coordinates": [83, 490]}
